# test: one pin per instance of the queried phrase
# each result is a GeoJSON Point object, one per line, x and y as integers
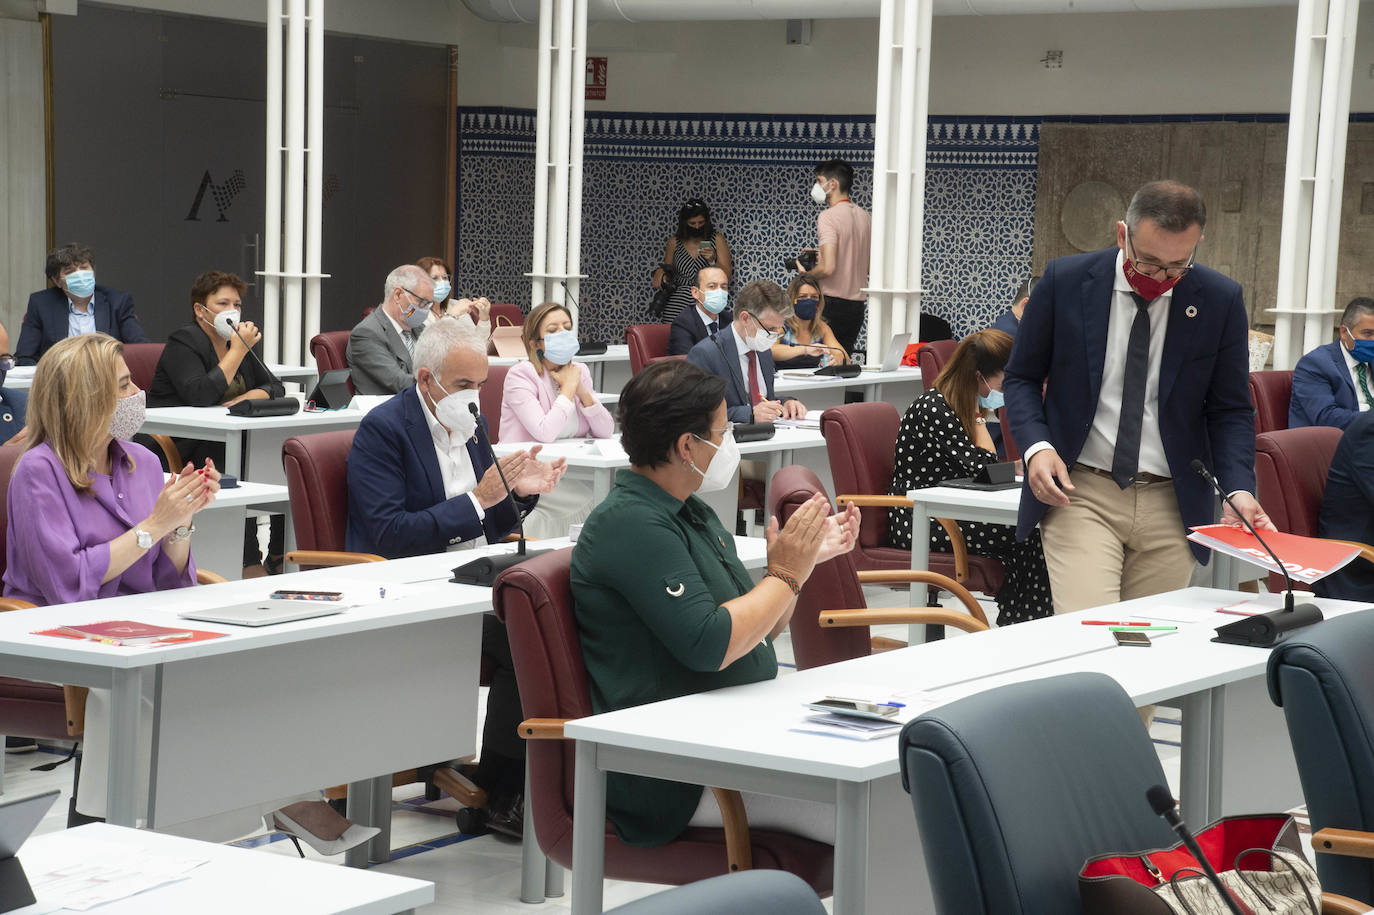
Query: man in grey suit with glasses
{"type": "Point", "coordinates": [381, 347]}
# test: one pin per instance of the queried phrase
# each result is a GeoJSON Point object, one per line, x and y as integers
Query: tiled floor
{"type": "Point", "coordinates": [476, 875]}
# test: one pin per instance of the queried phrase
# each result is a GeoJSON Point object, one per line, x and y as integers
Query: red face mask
{"type": "Point", "coordinates": [1148, 288]}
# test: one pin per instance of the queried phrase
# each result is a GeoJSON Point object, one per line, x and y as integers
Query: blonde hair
{"type": "Point", "coordinates": [795, 323]}
{"type": "Point", "coordinates": [530, 335]}
{"type": "Point", "coordinates": [75, 390]}
{"type": "Point", "coordinates": [982, 353]}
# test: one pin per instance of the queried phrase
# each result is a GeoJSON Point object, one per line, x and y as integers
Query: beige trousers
{"type": "Point", "coordinates": [1110, 544]}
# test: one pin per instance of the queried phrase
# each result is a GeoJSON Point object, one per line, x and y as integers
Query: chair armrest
{"type": "Point", "coordinates": [943, 582]}
{"type": "Point", "coordinates": [543, 728]}
{"type": "Point", "coordinates": [888, 616]}
{"type": "Point", "coordinates": [206, 577]}
{"type": "Point", "coordinates": [515, 538]}
{"type": "Point", "coordinates": [1336, 904]}
{"type": "Point", "coordinates": [169, 451]}
{"type": "Point", "coordinates": [14, 603]}
{"type": "Point", "coordinates": [874, 501]}
{"type": "Point", "coordinates": [1352, 843]}
{"type": "Point", "coordinates": [1366, 551]}
{"type": "Point", "coordinates": [330, 558]}
{"type": "Point", "coordinates": [739, 851]}
{"type": "Point", "coordinates": [74, 697]}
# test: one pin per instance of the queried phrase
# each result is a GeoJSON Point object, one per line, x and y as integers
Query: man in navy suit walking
{"type": "Point", "coordinates": [421, 480]}
{"type": "Point", "coordinates": [1143, 358]}
{"type": "Point", "coordinates": [1334, 383]}
{"type": "Point", "coordinates": [72, 305]}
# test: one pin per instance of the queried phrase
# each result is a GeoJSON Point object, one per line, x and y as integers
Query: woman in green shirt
{"type": "Point", "coordinates": [664, 606]}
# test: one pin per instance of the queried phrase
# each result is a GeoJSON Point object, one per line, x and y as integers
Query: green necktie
{"type": "Point", "coordinates": [1362, 373]}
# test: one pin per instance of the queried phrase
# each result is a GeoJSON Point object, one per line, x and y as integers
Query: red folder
{"type": "Point", "coordinates": [130, 633]}
{"type": "Point", "coordinates": [1307, 559]}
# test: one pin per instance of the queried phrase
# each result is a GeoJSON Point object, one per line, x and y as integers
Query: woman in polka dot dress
{"type": "Point", "coordinates": [944, 436]}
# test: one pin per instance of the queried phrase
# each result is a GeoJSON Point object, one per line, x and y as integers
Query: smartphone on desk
{"type": "Point", "coordinates": [854, 707]}
{"type": "Point", "coordinates": [1135, 639]}
{"type": "Point", "coordinates": [306, 595]}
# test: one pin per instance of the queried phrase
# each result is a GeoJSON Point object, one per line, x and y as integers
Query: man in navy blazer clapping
{"type": "Point", "coordinates": [72, 305]}
{"type": "Point", "coordinates": [1143, 359]}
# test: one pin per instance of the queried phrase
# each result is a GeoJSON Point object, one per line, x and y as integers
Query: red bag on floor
{"type": "Point", "coordinates": [1259, 859]}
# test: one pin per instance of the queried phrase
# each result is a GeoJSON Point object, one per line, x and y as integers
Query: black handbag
{"type": "Point", "coordinates": [659, 303]}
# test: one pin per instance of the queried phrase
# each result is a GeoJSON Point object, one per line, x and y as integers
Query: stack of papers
{"type": "Point", "coordinates": [847, 726]}
{"type": "Point", "coordinates": [812, 420]}
{"type": "Point", "coordinates": [94, 873]}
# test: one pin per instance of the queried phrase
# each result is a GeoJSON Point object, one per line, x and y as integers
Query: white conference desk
{"type": "Point", "coordinates": [21, 376]}
{"type": "Point", "coordinates": [252, 444]}
{"type": "Point", "coordinates": [597, 460]}
{"type": "Point", "coordinates": [232, 881]}
{"type": "Point", "coordinates": [739, 737]}
{"type": "Point", "coordinates": [902, 386]}
{"type": "Point", "coordinates": [218, 543]}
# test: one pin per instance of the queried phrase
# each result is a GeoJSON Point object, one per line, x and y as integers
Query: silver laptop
{"type": "Point", "coordinates": [19, 818]}
{"type": "Point", "coordinates": [264, 612]}
{"type": "Point", "coordinates": [895, 350]}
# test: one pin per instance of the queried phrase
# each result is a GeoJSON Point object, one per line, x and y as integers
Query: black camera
{"type": "Point", "coordinates": [801, 263]}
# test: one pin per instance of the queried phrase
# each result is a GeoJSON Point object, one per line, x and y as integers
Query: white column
{"type": "Point", "coordinates": [293, 235]}
{"type": "Point", "coordinates": [543, 135]}
{"type": "Point", "coordinates": [577, 129]}
{"type": "Point", "coordinates": [314, 180]}
{"type": "Point", "coordinates": [1314, 177]}
{"type": "Point", "coordinates": [899, 168]}
{"type": "Point", "coordinates": [271, 235]}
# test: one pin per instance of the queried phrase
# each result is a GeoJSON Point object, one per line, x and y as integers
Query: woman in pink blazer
{"type": "Point", "coordinates": [548, 398]}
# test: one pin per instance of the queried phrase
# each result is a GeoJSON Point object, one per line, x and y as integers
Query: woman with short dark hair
{"type": "Point", "coordinates": [664, 606]}
{"type": "Point", "coordinates": [694, 246]}
{"type": "Point", "coordinates": [944, 436]}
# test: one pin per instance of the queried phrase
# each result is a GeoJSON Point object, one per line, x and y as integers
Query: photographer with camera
{"type": "Point", "coordinates": [694, 246]}
{"type": "Point", "coordinates": [843, 230]}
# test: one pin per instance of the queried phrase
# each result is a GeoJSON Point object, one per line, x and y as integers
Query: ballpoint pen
{"type": "Point", "coordinates": [1134, 628]}
{"type": "Point", "coordinates": [1114, 623]}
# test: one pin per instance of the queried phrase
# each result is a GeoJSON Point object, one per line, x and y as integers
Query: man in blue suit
{"type": "Point", "coordinates": [1334, 383]}
{"type": "Point", "coordinates": [1143, 357]}
{"type": "Point", "coordinates": [421, 480]}
{"type": "Point", "coordinates": [74, 305]}
{"type": "Point", "coordinates": [1348, 509]}
{"type": "Point", "coordinates": [742, 355]}
{"type": "Point", "coordinates": [708, 314]}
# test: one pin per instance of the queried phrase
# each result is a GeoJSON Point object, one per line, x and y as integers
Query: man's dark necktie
{"type": "Point", "coordinates": [1126, 460]}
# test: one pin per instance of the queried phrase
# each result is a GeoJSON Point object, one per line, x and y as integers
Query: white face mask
{"type": "Point", "coordinates": [818, 193]}
{"type": "Point", "coordinates": [453, 411]}
{"type": "Point", "coordinates": [721, 471]}
{"type": "Point", "coordinates": [128, 416]}
{"type": "Point", "coordinates": [762, 341]}
{"type": "Point", "coordinates": [225, 322]}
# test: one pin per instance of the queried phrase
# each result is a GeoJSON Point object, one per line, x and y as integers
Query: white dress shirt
{"type": "Point", "coordinates": [709, 322]}
{"type": "Point", "coordinates": [455, 468]}
{"type": "Point", "coordinates": [742, 348]}
{"type": "Point", "coordinates": [80, 322]}
{"type": "Point", "coordinates": [401, 329]}
{"type": "Point", "coordinates": [1350, 363]}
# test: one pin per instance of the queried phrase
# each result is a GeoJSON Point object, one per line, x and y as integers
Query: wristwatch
{"type": "Point", "coordinates": [145, 539]}
{"type": "Point", "coordinates": [182, 533]}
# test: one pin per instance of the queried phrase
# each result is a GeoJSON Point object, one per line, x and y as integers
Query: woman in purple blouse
{"type": "Point", "coordinates": [90, 516]}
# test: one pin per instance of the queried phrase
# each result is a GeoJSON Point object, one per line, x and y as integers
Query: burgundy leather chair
{"type": "Point", "coordinates": [932, 358]}
{"type": "Point", "coordinates": [330, 350]}
{"type": "Point", "coordinates": [506, 314]}
{"type": "Point", "coordinates": [1010, 452]}
{"type": "Point", "coordinates": [1290, 476]}
{"type": "Point", "coordinates": [490, 399]}
{"type": "Point", "coordinates": [142, 359]}
{"type": "Point", "coordinates": [831, 620]}
{"type": "Point", "coordinates": [860, 439]}
{"type": "Point", "coordinates": [647, 343]}
{"type": "Point", "coordinates": [1270, 393]}
{"type": "Point", "coordinates": [534, 600]}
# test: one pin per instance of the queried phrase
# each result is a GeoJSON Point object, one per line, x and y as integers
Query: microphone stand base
{"type": "Point", "coordinates": [1265, 630]}
{"type": "Point", "coordinates": [483, 571]}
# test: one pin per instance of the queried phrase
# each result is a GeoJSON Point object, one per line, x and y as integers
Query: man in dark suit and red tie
{"type": "Point", "coordinates": [1143, 358]}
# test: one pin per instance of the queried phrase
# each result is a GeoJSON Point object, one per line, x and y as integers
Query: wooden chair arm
{"type": "Point", "coordinates": [1353, 843]}
{"type": "Point", "coordinates": [169, 451]}
{"type": "Point", "coordinates": [515, 538]}
{"type": "Point", "coordinates": [739, 852]}
{"type": "Point", "coordinates": [958, 546]}
{"type": "Point", "coordinates": [943, 582]}
{"type": "Point", "coordinates": [74, 697]}
{"type": "Point", "coordinates": [874, 501]}
{"type": "Point", "coordinates": [459, 787]}
{"type": "Point", "coordinates": [206, 577]}
{"type": "Point", "coordinates": [542, 728]}
{"type": "Point", "coordinates": [330, 558]}
{"type": "Point", "coordinates": [878, 644]}
{"type": "Point", "coordinates": [1366, 551]}
{"type": "Point", "coordinates": [14, 603]}
{"type": "Point", "coordinates": [1336, 904]}
{"type": "Point", "coordinates": [903, 616]}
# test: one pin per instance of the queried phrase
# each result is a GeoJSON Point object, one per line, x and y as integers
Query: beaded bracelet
{"type": "Point", "coordinates": [785, 579]}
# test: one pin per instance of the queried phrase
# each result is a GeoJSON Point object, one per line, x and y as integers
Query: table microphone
{"type": "Point", "coordinates": [1163, 804]}
{"type": "Point", "coordinates": [484, 570]}
{"type": "Point", "coordinates": [234, 326]}
{"type": "Point", "coordinates": [1263, 630]}
{"type": "Point", "coordinates": [584, 347]}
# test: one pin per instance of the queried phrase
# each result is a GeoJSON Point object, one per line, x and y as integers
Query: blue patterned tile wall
{"type": "Point", "coordinates": [755, 172]}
